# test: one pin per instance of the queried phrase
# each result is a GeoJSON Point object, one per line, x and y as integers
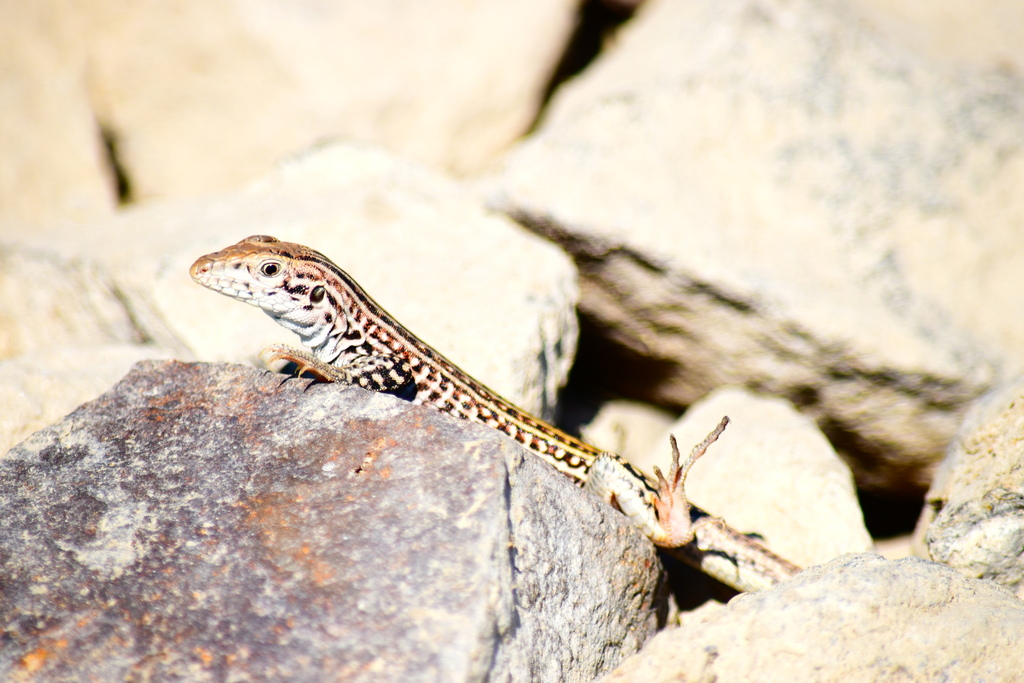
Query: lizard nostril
{"type": "Point", "coordinates": [200, 268]}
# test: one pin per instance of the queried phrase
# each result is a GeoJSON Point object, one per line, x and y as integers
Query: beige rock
{"type": "Point", "coordinates": [985, 32]}
{"type": "Point", "coordinates": [51, 300]}
{"type": "Point", "coordinates": [770, 194]}
{"type": "Point", "coordinates": [629, 428]}
{"type": "Point", "coordinates": [52, 162]}
{"type": "Point", "coordinates": [895, 547]}
{"type": "Point", "coordinates": [494, 298]}
{"type": "Point", "coordinates": [200, 96]}
{"type": "Point", "coordinates": [858, 618]}
{"type": "Point", "coordinates": [771, 472]}
{"type": "Point", "coordinates": [973, 519]}
{"type": "Point", "coordinates": [42, 386]}
{"type": "Point", "coordinates": [206, 95]}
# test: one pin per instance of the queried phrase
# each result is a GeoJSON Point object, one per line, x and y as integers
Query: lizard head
{"type": "Point", "coordinates": [287, 281]}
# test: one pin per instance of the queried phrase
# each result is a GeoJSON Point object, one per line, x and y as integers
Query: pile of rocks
{"type": "Point", "coordinates": [804, 215]}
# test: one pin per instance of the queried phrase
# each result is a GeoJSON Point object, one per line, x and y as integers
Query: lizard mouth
{"type": "Point", "coordinates": [212, 273]}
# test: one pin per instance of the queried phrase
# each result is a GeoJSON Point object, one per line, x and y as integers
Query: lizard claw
{"type": "Point", "coordinates": [674, 510]}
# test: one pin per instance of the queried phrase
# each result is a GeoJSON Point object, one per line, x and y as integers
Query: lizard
{"type": "Point", "coordinates": [354, 341]}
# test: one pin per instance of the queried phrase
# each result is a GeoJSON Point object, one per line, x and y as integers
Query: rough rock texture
{"type": "Point", "coordinates": [857, 618]}
{"type": "Point", "coordinates": [494, 298]}
{"type": "Point", "coordinates": [212, 522]}
{"type": "Point", "coordinates": [973, 519]}
{"type": "Point", "coordinates": [772, 473]}
{"type": "Point", "coordinates": [768, 194]}
{"type": "Point", "coordinates": [204, 95]}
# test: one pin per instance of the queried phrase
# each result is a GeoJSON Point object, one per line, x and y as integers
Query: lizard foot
{"type": "Point", "coordinates": [304, 362]}
{"type": "Point", "coordinates": [670, 502]}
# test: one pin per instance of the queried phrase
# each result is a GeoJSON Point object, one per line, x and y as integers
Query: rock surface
{"type": "Point", "coordinates": [973, 519]}
{"type": "Point", "coordinates": [205, 96]}
{"type": "Point", "coordinates": [629, 428]}
{"type": "Point", "coordinates": [769, 194]}
{"type": "Point", "coordinates": [79, 306]}
{"type": "Point", "coordinates": [52, 162]}
{"type": "Point", "coordinates": [985, 33]}
{"type": "Point", "coordinates": [857, 618]}
{"type": "Point", "coordinates": [212, 522]}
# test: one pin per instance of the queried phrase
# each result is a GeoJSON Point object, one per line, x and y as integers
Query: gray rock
{"type": "Point", "coordinates": [769, 194]}
{"type": "Point", "coordinates": [212, 522]}
{"type": "Point", "coordinates": [973, 519]}
{"type": "Point", "coordinates": [857, 618]}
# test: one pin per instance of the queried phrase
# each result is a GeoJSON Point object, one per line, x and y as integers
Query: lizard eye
{"type": "Point", "coordinates": [317, 295]}
{"type": "Point", "coordinates": [270, 268]}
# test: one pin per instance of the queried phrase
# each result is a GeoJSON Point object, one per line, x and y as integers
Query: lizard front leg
{"type": "Point", "coordinates": [378, 372]}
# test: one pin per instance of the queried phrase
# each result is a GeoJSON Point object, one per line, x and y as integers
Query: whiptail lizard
{"type": "Point", "coordinates": [355, 341]}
